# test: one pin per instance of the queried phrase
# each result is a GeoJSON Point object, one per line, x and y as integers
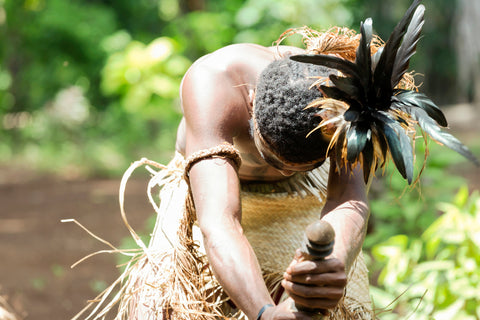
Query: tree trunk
{"type": "Point", "coordinates": [468, 49]}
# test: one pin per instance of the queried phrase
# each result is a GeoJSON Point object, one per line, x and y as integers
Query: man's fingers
{"type": "Point", "coordinates": [298, 254]}
{"type": "Point", "coordinates": [313, 292]}
{"type": "Point", "coordinates": [312, 266]}
{"type": "Point", "coordinates": [322, 279]}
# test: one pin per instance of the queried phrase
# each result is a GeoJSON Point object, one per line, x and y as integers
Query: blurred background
{"type": "Point", "coordinates": [88, 86]}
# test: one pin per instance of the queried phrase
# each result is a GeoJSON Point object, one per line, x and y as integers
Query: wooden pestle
{"type": "Point", "coordinates": [317, 245]}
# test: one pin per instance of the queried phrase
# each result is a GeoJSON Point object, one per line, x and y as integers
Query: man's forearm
{"type": "Point", "coordinates": [216, 192]}
{"type": "Point", "coordinates": [346, 209]}
{"type": "Point", "coordinates": [236, 268]}
{"type": "Point", "coordinates": [349, 221]}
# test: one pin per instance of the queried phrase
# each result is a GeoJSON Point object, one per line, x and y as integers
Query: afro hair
{"type": "Point", "coordinates": [283, 91]}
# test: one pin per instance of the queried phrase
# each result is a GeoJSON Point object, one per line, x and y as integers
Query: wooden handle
{"type": "Point", "coordinates": [318, 244]}
{"type": "Point", "coordinates": [319, 240]}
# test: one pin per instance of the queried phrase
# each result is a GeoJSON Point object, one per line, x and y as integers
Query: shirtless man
{"type": "Point", "coordinates": [217, 96]}
{"type": "Point", "coordinates": [247, 101]}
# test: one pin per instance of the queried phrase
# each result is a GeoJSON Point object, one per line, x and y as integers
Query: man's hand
{"type": "Point", "coordinates": [315, 284]}
{"type": "Point", "coordinates": [284, 311]}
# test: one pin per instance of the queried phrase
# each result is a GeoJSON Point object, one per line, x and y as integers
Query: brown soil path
{"type": "Point", "coordinates": [37, 250]}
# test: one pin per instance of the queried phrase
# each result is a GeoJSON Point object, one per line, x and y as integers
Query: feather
{"type": "Point", "coordinates": [382, 142]}
{"type": "Point", "coordinates": [368, 160]}
{"type": "Point", "coordinates": [376, 58]}
{"type": "Point", "coordinates": [399, 145]}
{"type": "Point", "coordinates": [337, 94]}
{"type": "Point", "coordinates": [351, 115]}
{"type": "Point", "coordinates": [408, 46]}
{"type": "Point", "coordinates": [344, 66]}
{"type": "Point", "coordinates": [412, 98]}
{"type": "Point", "coordinates": [363, 56]}
{"type": "Point", "coordinates": [350, 86]}
{"type": "Point", "coordinates": [356, 139]}
{"type": "Point", "coordinates": [429, 126]}
{"type": "Point", "coordinates": [383, 72]}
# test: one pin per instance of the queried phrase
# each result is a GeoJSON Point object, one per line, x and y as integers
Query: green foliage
{"type": "Point", "coordinates": [435, 276]}
{"type": "Point", "coordinates": [50, 45]}
{"type": "Point", "coordinates": [398, 209]}
{"type": "Point", "coordinates": [86, 87]}
{"type": "Point", "coordinates": [409, 264]}
{"type": "Point", "coordinates": [145, 78]}
{"type": "Point", "coordinates": [262, 21]}
{"type": "Point", "coordinates": [94, 108]}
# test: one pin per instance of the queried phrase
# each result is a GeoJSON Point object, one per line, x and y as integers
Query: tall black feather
{"type": "Point", "coordinates": [376, 58]}
{"type": "Point", "coordinates": [363, 57]}
{"type": "Point", "coordinates": [356, 140]}
{"type": "Point", "coordinates": [348, 85]}
{"type": "Point", "coordinates": [384, 70]}
{"type": "Point", "coordinates": [408, 47]}
{"type": "Point", "coordinates": [398, 144]}
{"type": "Point", "coordinates": [376, 131]}
{"type": "Point", "coordinates": [367, 154]}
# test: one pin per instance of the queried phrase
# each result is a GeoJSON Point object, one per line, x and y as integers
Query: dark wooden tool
{"type": "Point", "coordinates": [317, 245]}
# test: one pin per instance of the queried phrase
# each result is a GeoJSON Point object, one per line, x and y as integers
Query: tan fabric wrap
{"type": "Point", "coordinates": [174, 280]}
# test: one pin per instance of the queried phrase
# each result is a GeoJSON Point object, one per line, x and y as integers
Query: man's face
{"type": "Point", "coordinates": [286, 168]}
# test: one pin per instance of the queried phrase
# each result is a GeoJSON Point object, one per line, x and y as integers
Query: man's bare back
{"type": "Point", "coordinates": [235, 68]}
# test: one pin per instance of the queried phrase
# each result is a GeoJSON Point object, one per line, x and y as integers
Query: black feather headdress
{"type": "Point", "coordinates": [380, 116]}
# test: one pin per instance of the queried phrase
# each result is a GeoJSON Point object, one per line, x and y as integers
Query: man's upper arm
{"type": "Point", "coordinates": [209, 100]}
{"type": "Point", "coordinates": [210, 103]}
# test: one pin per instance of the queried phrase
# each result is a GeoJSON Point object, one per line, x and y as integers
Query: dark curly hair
{"type": "Point", "coordinates": [282, 93]}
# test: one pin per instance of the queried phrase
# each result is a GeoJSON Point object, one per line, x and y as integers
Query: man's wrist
{"type": "Point", "coordinates": [263, 309]}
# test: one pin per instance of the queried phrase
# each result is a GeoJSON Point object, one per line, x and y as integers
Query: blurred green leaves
{"type": "Point", "coordinates": [86, 87]}
{"type": "Point", "coordinates": [51, 45]}
{"type": "Point", "coordinates": [143, 76]}
{"type": "Point", "coordinates": [399, 209]}
{"type": "Point", "coordinates": [262, 21]}
{"type": "Point", "coordinates": [435, 276]}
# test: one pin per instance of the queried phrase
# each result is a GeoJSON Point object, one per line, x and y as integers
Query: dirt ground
{"type": "Point", "coordinates": [36, 249]}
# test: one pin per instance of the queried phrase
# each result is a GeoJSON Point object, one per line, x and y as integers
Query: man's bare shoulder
{"type": "Point", "coordinates": [215, 96]}
{"type": "Point", "coordinates": [243, 55]}
{"type": "Point", "coordinates": [227, 74]}
{"type": "Point", "coordinates": [239, 59]}
{"type": "Point", "coordinates": [233, 66]}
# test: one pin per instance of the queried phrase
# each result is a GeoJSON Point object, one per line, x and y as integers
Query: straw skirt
{"type": "Point", "coordinates": [171, 277]}
{"type": "Point", "coordinates": [274, 217]}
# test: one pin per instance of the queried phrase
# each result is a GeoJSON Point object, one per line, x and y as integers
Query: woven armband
{"type": "Point", "coordinates": [224, 150]}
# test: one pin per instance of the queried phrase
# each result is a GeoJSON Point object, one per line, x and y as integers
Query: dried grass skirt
{"type": "Point", "coordinates": [171, 278]}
